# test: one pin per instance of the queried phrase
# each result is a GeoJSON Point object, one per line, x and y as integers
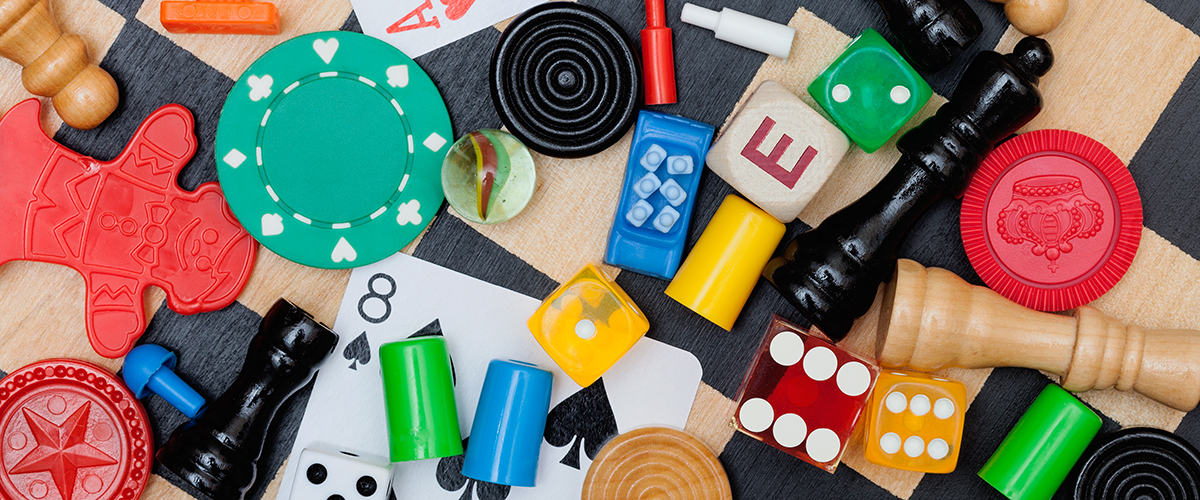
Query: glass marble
{"type": "Point", "coordinates": [804, 395]}
{"type": "Point", "coordinates": [488, 176]}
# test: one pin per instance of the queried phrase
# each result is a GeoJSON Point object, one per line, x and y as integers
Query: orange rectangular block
{"type": "Point", "coordinates": [220, 17]}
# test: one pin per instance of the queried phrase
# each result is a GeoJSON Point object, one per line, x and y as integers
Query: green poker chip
{"type": "Point", "coordinates": [330, 148]}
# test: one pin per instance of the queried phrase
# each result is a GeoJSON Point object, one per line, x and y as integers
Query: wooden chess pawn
{"type": "Point", "coordinates": [1035, 17]}
{"type": "Point", "coordinates": [218, 451]}
{"type": "Point", "coordinates": [932, 319]}
{"type": "Point", "coordinates": [55, 64]}
{"type": "Point", "coordinates": [832, 273]}
{"type": "Point", "coordinates": [932, 32]}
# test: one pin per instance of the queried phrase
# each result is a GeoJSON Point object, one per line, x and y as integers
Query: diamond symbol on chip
{"type": "Point", "coordinates": [326, 48]}
{"type": "Point", "coordinates": [260, 88]}
{"type": "Point", "coordinates": [434, 142]}
{"type": "Point", "coordinates": [343, 251]}
{"type": "Point", "coordinates": [398, 75]}
{"type": "Point", "coordinates": [234, 158]}
{"type": "Point", "coordinates": [409, 213]}
{"type": "Point", "coordinates": [272, 224]}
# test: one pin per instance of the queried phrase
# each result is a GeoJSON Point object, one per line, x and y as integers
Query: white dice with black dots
{"type": "Point", "coordinates": [671, 191]}
{"type": "Point", "coordinates": [341, 475]}
{"type": "Point", "coordinates": [919, 405]}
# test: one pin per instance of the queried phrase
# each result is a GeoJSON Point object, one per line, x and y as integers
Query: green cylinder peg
{"type": "Point", "coordinates": [1036, 456]}
{"type": "Point", "coordinates": [418, 390]}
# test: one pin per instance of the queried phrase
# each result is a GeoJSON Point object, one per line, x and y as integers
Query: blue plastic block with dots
{"type": "Point", "coordinates": [661, 178]}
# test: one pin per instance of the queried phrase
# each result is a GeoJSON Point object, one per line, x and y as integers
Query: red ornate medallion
{"type": "Point", "coordinates": [1052, 220]}
{"type": "Point", "coordinates": [71, 431]}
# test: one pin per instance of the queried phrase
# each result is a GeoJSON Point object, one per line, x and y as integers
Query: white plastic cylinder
{"type": "Point", "coordinates": [742, 29]}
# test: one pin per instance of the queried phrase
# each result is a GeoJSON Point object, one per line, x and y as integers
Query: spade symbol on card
{"type": "Point", "coordinates": [451, 478]}
{"type": "Point", "coordinates": [586, 417]}
{"type": "Point", "coordinates": [358, 351]}
{"type": "Point", "coordinates": [434, 329]}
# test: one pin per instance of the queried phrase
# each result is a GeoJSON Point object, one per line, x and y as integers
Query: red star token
{"type": "Point", "coordinates": [71, 431]}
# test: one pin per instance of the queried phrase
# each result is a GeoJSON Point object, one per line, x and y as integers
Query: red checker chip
{"type": "Point", "coordinates": [71, 431]}
{"type": "Point", "coordinates": [1052, 220]}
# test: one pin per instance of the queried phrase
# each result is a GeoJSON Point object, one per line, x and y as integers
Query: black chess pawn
{"type": "Point", "coordinates": [217, 452]}
{"type": "Point", "coordinates": [932, 32]}
{"type": "Point", "coordinates": [832, 273]}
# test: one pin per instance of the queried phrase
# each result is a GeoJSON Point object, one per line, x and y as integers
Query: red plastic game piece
{"type": "Point", "coordinates": [70, 430]}
{"type": "Point", "coordinates": [224, 17]}
{"type": "Point", "coordinates": [657, 59]}
{"type": "Point", "coordinates": [1052, 220]}
{"type": "Point", "coordinates": [123, 224]}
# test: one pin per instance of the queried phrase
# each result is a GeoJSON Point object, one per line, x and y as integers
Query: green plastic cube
{"type": "Point", "coordinates": [870, 91]}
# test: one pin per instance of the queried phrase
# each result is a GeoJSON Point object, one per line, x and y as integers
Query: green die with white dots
{"type": "Point", "coordinates": [870, 91]}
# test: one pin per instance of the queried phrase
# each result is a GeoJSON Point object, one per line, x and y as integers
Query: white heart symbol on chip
{"type": "Point", "coordinates": [326, 48]}
{"type": "Point", "coordinates": [272, 224]}
{"type": "Point", "coordinates": [398, 75]}
{"type": "Point", "coordinates": [409, 213]}
{"type": "Point", "coordinates": [343, 251]}
{"type": "Point", "coordinates": [260, 88]}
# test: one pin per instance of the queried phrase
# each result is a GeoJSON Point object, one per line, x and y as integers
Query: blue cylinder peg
{"type": "Point", "coordinates": [510, 419]}
{"type": "Point", "coordinates": [151, 368]}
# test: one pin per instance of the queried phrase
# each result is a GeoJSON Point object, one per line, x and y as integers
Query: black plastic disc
{"type": "Point", "coordinates": [1140, 464]}
{"type": "Point", "coordinates": [565, 80]}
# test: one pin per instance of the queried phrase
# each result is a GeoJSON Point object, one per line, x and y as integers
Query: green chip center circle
{"type": "Point", "coordinates": [308, 166]}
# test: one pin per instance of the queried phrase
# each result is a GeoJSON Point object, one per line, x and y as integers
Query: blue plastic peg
{"type": "Point", "coordinates": [151, 368]}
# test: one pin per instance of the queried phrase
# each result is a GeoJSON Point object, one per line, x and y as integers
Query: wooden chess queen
{"type": "Point", "coordinates": [56, 64]}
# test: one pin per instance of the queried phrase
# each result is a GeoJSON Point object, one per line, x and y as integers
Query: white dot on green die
{"type": "Point", "coordinates": [900, 94]}
{"type": "Point", "coordinates": [841, 92]}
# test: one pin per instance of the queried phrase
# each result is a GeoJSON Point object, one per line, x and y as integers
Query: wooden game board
{"type": "Point", "coordinates": [1126, 74]}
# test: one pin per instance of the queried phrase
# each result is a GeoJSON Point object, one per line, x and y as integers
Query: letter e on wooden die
{"type": "Point", "coordinates": [778, 151]}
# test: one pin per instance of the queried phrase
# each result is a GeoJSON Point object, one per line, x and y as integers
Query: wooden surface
{"type": "Point", "coordinates": [1126, 74]}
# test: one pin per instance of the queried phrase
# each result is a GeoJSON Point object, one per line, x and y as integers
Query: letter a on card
{"type": "Point", "coordinates": [420, 22]}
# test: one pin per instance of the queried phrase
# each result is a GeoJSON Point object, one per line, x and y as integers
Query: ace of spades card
{"type": "Point", "coordinates": [420, 26]}
{"type": "Point", "coordinates": [403, 297]}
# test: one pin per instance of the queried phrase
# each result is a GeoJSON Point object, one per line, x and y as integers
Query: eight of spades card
{"type": "Point", "coordinates": [401, 297]}
{"type": "Point", "coordinates": [419, 26]}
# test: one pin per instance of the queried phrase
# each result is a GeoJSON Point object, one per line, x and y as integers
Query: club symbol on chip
{"type": "Point", "coordinates": [326, 48]}
{"type": "Point", "coordinates": [260, 88]}
{"type": "Point", "coordinates": [343, 251]}
{"type": "Point", "coordinates": [409, 213]}
{"type": "Point", "coordinates": [1049, 211]}
{"type": "Point", "coordinates": [398, 75]}
{"type": "Point", "coordinates": [272, 224]}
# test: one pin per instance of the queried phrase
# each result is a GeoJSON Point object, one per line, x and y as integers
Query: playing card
{"type": "Point", "coordinates": [401, 297]}
{"type": "Point", "coordinates": [419, 26]}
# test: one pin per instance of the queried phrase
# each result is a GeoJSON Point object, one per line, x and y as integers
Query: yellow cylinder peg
{"type": "Point", "coordinates": [719, 274]}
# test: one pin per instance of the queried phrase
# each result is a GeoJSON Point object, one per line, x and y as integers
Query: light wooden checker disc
{"type": "Point", "coordinates": [656, 463]}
